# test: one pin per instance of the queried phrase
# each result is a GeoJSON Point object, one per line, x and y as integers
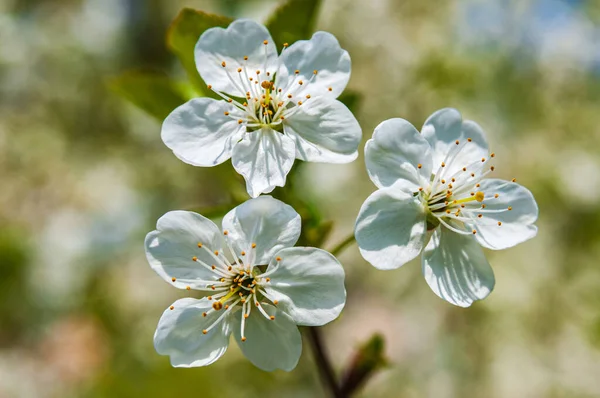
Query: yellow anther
{"type": "Point", "coordinates": [483, 206]}
{"type": "Point", "coordinates": [420, 189]}
{"type": "Point", "coordinates": [299, 103]}
{"type": "Point", "coordinates": [230, 100]}
{"type": "Point", "coordinates": [300, 82]}
{"type": "Point", "coordinates": [243, 253]}
{"type": "Point", "coordinates": [477, 185]}
{"type": "Point", "coordinates": [457, 142]}
{"type": "Point", "coordinates": [443, 181]}
{"type": "Point", "coordinates": [275, 302]}
{"type": "Point", "coordinates": [483, 159]}
{"type": "Point", "coordinates": [173, 279]}
{"type": "Point", "coordinates": [463, 206]}
{"type": "Point", "coordinates": [272, 317]}
{"type": "Point", "coordinates": [225, 232]}
{"type": "Point", "coordinates": [330, 89]}
{"type": "Point", "coordinates": [282, 117]}
{"type": "Point", "coordinates": [492, 155]}
{"type": "Point", "coordinates": [245, 103]}
{"type": "Point", "coordinates": [464, 169]}
{"type": "Point", "coordinates": [216, 252]}
{"type": "Point", "coordinates": [509, 208]}
{"type": "Point", "coordinates": [443, 164]}
{"type": "Point", "coordinates": [315, 72]}
{"type": "Point", "coordinates": [278, 258]}
{"type": "Point", "coordinates": [171, 308]}
{"type": "Point", "coordinates": [239, 70]}
{"type": "Point", "coordinates": [254, 245]}
{"type": "Point", "coordinates": [204, 314]}
{"type": "Point", "coordinates": [472, 193]}
{"type": "Point", "coordinates": [243, 339]}
{"type": "Point", "coordinates": [204, 331]}
{"type": "Point", "coordinates": [265, 42]}
{"type": "Point", "coordinates": [229, 268]}
{"type": "Point", "coordinates": [213, 287]}
{"type": "Point", "coordinates": [258, 72]}
{"type": "Point", "coordinates": [268, 279]}
{"type": "Point", "coordinates": [245, 58]}
{"type": "Point", "coordinates": [246, 316]}
{"type": "Point", "coordinates": [209, 297]}
{"type": "Point", "coordinates": [240, 121]}
{"type": "Point", "coordinates": [213, 266]}
{"type": "Point", "coordinates": [209, 87]}
{"type": "Point", "coordinates": [285, 45]}
{"type": "Point", "coordinates": [448, 211]}
{"type": "Point", "coordinates": [453, 180]}
{"type": "Point", "coordinates": [514, 180]}
{"type": "Point", "coordinates": [188, 288]}
{"type": "Point", "coordinates": [223, 64]}
{"type": "Point", "coordinates": [468, 139]}
{"type": "Point", "coordinates": [419, 165]}
{"type": "Point", "coordinates": [194, 258]}
{"type": "Point", "coordinates": [499, 223]}
{"type": "Point", "coordinates": [296, 71]}
{"type": "Point", "coordinates": [472, 174]}
{"type": "Point", "coordinates": [226, 113]}
{"type": "Point", "coordinates": [479, 196]}
{"type": "Point", "coordinates": [480, 215]}
{"type": "Point", "coordinates": [289, 95]}
{"type": "Point", "coordinates": [474, 232]}
{"type": "Point", "coordinates": [450, 186]}
{"type": "Point", "coordinates": [496, 196]}
{"type": "Point", "coordinates": [492, 168]}
{"type": "Point", "coordinates": [307, 96]}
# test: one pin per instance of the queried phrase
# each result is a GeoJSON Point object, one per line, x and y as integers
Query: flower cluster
{"type": "Point", "coordinates": [433, 198]}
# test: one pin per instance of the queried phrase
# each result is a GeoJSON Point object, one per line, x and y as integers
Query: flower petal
{"type": "Point", "coordinates": [443, 129]}
{"type": "Point", "coordinates": [309, 285]}
{"type": "Point", "coordinates": [456, 269]}
{"type": "Point", "coordinates": [516, 224]}
{"type": "Point", "coordinates": [170, 248]}
{"type": "Point", "coordinates": [199, 133]}
{"type": "Point", "coordinates": [390, 229]}
{"type": "Point", "coordinates": [264, 158]}
{"type": "Point", "coordinates": [322, 53]}
{"type": "Point", "coordinates": [266, 221]}
{"type": "Point", "coordinates": [395, 153]}
{"type": "Point", "coordinates": [269, 344]}
{"type": "Point", "coordinates": [324, 130]}
{"type": "Point", "coordinates": [242, 38]}
{"type": "Point", "coordinates": [179, 334]}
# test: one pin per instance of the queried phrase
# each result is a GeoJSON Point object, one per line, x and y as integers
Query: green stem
{"type": "Point", "coordinates": [342, 245]}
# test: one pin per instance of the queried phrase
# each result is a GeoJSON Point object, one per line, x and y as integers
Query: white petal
{"type": "Point", "coordinates": [395, 153]}
{"type": "Point", "coordinates": [269, 345]}
{"type": "Point", "coordinates": [517, 224]}
{"type": "Point", "coordinates": [266, 221]}
{"type": "Point", "coordinates": [170, 248]}
{"type": "Point", "coordinates": [324, 130]}
{"type": "Point", "coordinates": [199, 133]}
{"type": "Point", "coordinates": [179, 334]}
{"type": "Point", "coordinates": [443, 129]}
{"type": "Point", "coordinates": [456, 269]}
{"type": "Point", "coordinates": [243, 38]}
{"type": "Point", "coordinates": [390, 229]}
{"type": "Point", "coordinates": [264, 158]}
{"type": "Point", "coordinates": [309, 285]}
{"type": "Point", "coordinates": [323, 54]}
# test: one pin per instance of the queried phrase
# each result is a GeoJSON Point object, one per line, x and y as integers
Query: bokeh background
{"type": "Point", "coordinates": [84, 176]}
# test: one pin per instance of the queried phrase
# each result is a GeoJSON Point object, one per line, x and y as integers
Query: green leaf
{"type": "Point", "coordinates": [183, 35]}
{"type": "Point", "coordinates": [351, 99]}
{"type": "Point", "coordinates": [152, 92]}
{"type": "Point", "coordinates": [293, 21]}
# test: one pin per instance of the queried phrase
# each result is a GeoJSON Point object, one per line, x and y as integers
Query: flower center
{"type": "Point", "coordinates": [234, 285]}
{"type": "Point", "coordinates": [455, 197]}
{"type": "Point", "coordinates": [260, 98]}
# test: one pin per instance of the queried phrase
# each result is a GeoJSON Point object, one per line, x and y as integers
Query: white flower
{"type": "Point", "coordinates": [433, 197]}
{"type": "Point", "coordinates": [275, 107]}
{"type": "Point", "coordinates": [255, 284]}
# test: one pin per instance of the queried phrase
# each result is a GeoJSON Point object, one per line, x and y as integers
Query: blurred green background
{"type": "Point", "coordinates": [84, 176]}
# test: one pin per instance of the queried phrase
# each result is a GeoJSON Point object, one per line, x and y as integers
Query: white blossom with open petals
{"type": "Point", "coordinates": [255, 284]}
{"type": "Point", "coordinates": [274, 108]}
{"type": "Point", "coordinates": [434, 199]}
